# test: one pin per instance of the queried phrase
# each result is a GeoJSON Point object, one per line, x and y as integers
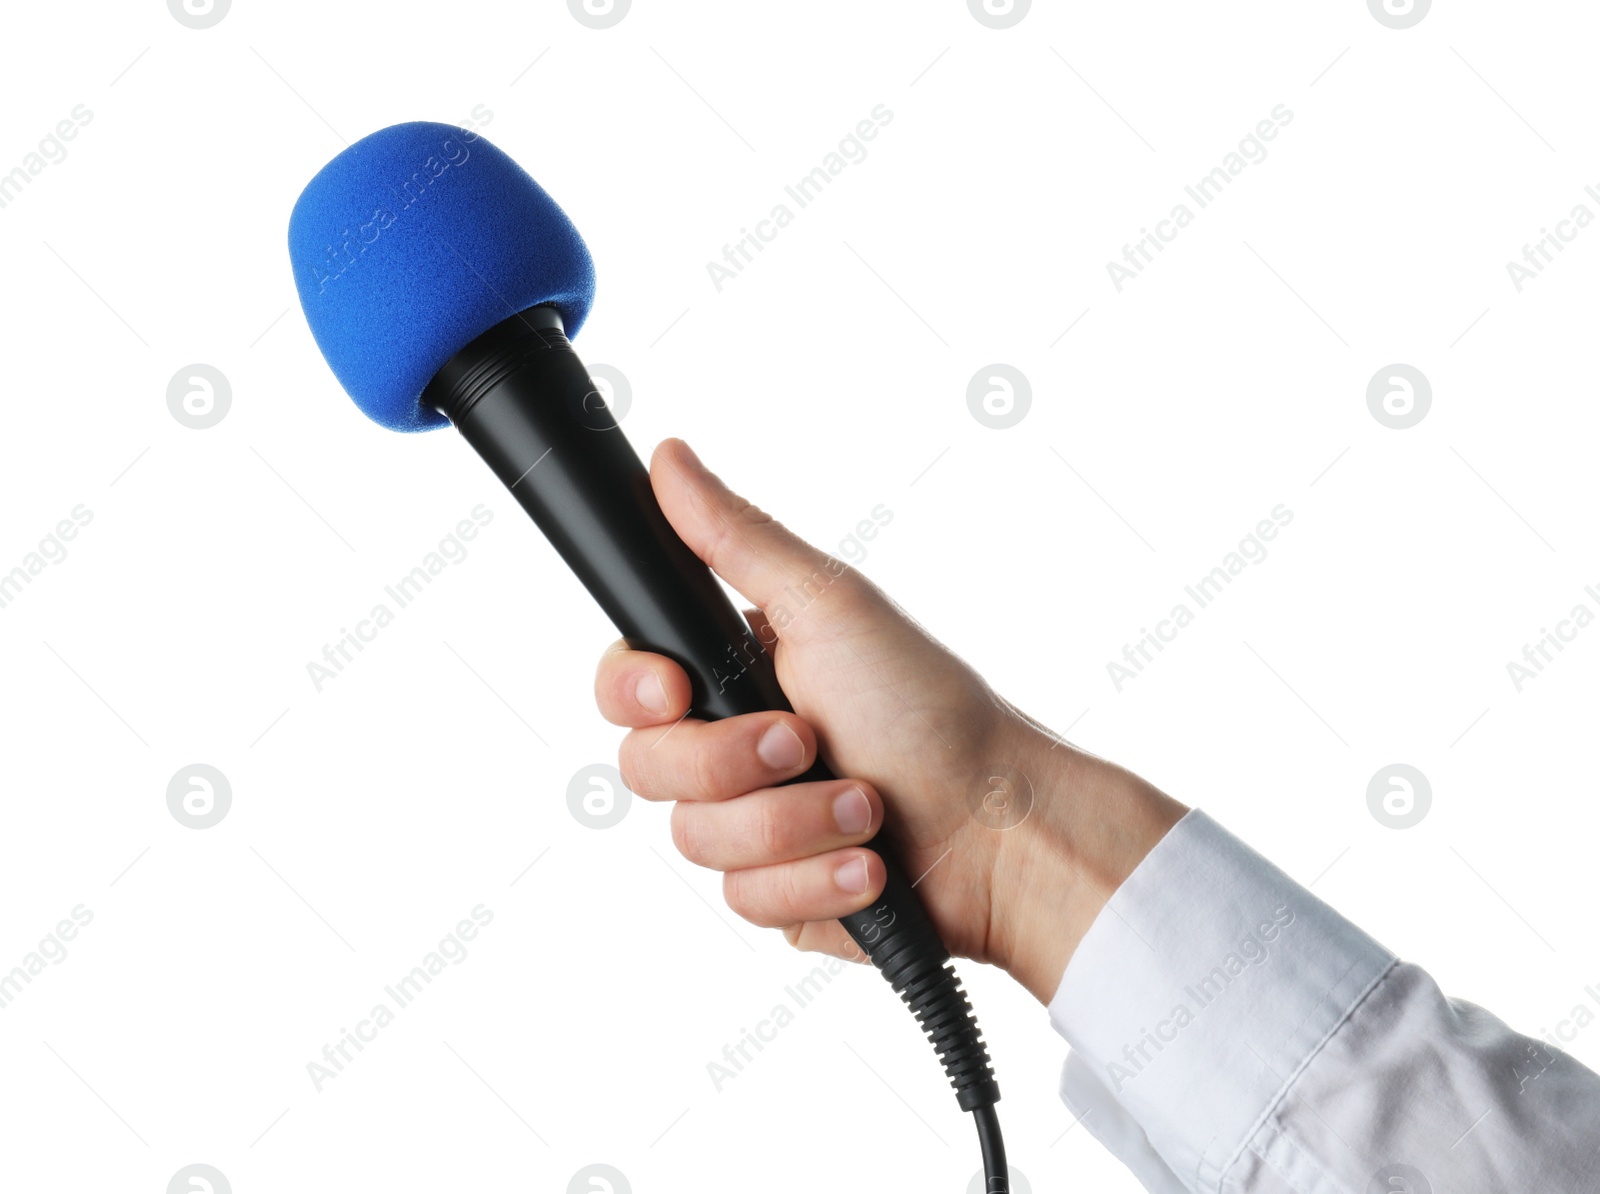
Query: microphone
{"type": "Point", "coordinates": [442, 283]}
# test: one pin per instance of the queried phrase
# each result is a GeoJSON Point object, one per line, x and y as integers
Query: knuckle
{"type": "Point", "coordinates": [704, 770]}
{"type": "Point", "coordinates": [789, 897]}
{"type": "Point", "coordinates": [769, 830]}
{"type": "Point", "coordinates": [761, 895]}
{"type": "Point", "coordinates": [748, 513]}
{"type": "Point", "coordinates": [638, 771]}
{"type": "Point", "coordinates": [736, 894]}
{"type": "Point", "coordinates": [684, 835]}
{"type": "Point", "coordinates": [631, 775]}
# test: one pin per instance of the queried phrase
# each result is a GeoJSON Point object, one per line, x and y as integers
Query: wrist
{"type": "Point", "coordinates": [1089, 825]}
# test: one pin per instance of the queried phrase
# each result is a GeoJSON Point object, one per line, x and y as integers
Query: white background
{"type": "Point", "coordinates": [831, 376]}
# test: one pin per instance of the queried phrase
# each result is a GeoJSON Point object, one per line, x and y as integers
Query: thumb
{"type": "Point", "coordinates": [745, 546]}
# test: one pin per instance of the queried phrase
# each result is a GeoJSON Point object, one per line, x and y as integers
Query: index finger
{"type": "Point", "coordinates": [638, 689]}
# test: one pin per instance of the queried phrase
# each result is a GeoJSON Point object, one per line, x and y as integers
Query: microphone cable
{"type": "Point", "coordinates": [995, 1173]}
{"type": "Point", "coordinates": [914, 960]}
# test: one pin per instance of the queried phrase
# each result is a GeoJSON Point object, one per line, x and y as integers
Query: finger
{"type": "Point", "coordinates": [777, 824]}
{"type": "Point", "coordinates": [755, 554]}
{"type": "Point", "coordinates": [822, 888]}
{"type": "Point", "coordinates": [638, 688]}
{"type": "Point", "coordinates": [825, 937]}
{"type": "Point", "coordinates": [713, 760]}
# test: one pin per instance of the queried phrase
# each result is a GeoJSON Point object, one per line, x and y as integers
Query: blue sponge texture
{"type": "Point", "coordinates": [413, 242]}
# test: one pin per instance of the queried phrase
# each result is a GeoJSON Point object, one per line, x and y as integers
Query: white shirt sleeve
{"type": "Point", "coordinates": [1232, 1034]}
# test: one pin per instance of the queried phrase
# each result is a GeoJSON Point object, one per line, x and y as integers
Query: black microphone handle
{"type": "Point", "coordinates": [522, 398]}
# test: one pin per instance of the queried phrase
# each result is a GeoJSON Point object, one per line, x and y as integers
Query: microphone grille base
{"type": "Point", "coordinates": [464, 380]}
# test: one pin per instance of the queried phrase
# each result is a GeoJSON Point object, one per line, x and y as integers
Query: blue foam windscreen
{"type": "Point", "coordinates": [413, 242]}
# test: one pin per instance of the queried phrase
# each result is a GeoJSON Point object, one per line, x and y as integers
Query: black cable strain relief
{"type": "Point", "coordinates": [935, 996]}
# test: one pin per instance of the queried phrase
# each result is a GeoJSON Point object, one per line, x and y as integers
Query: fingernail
{"type": "Point", "coordinates": [780, 748]}
{"type": "Point", "coordinates": [852, 876]}
{"type": "Point", "coordinates": [851, 812]}
{"type": "Point", "coordinates": [649, 693]}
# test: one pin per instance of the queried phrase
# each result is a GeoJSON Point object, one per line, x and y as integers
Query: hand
{"type": "Point", "coordinates": [916, 733]}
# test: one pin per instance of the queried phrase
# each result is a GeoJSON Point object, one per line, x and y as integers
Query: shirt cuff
{"type": "Point", "coordinates": [1206, 984]}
